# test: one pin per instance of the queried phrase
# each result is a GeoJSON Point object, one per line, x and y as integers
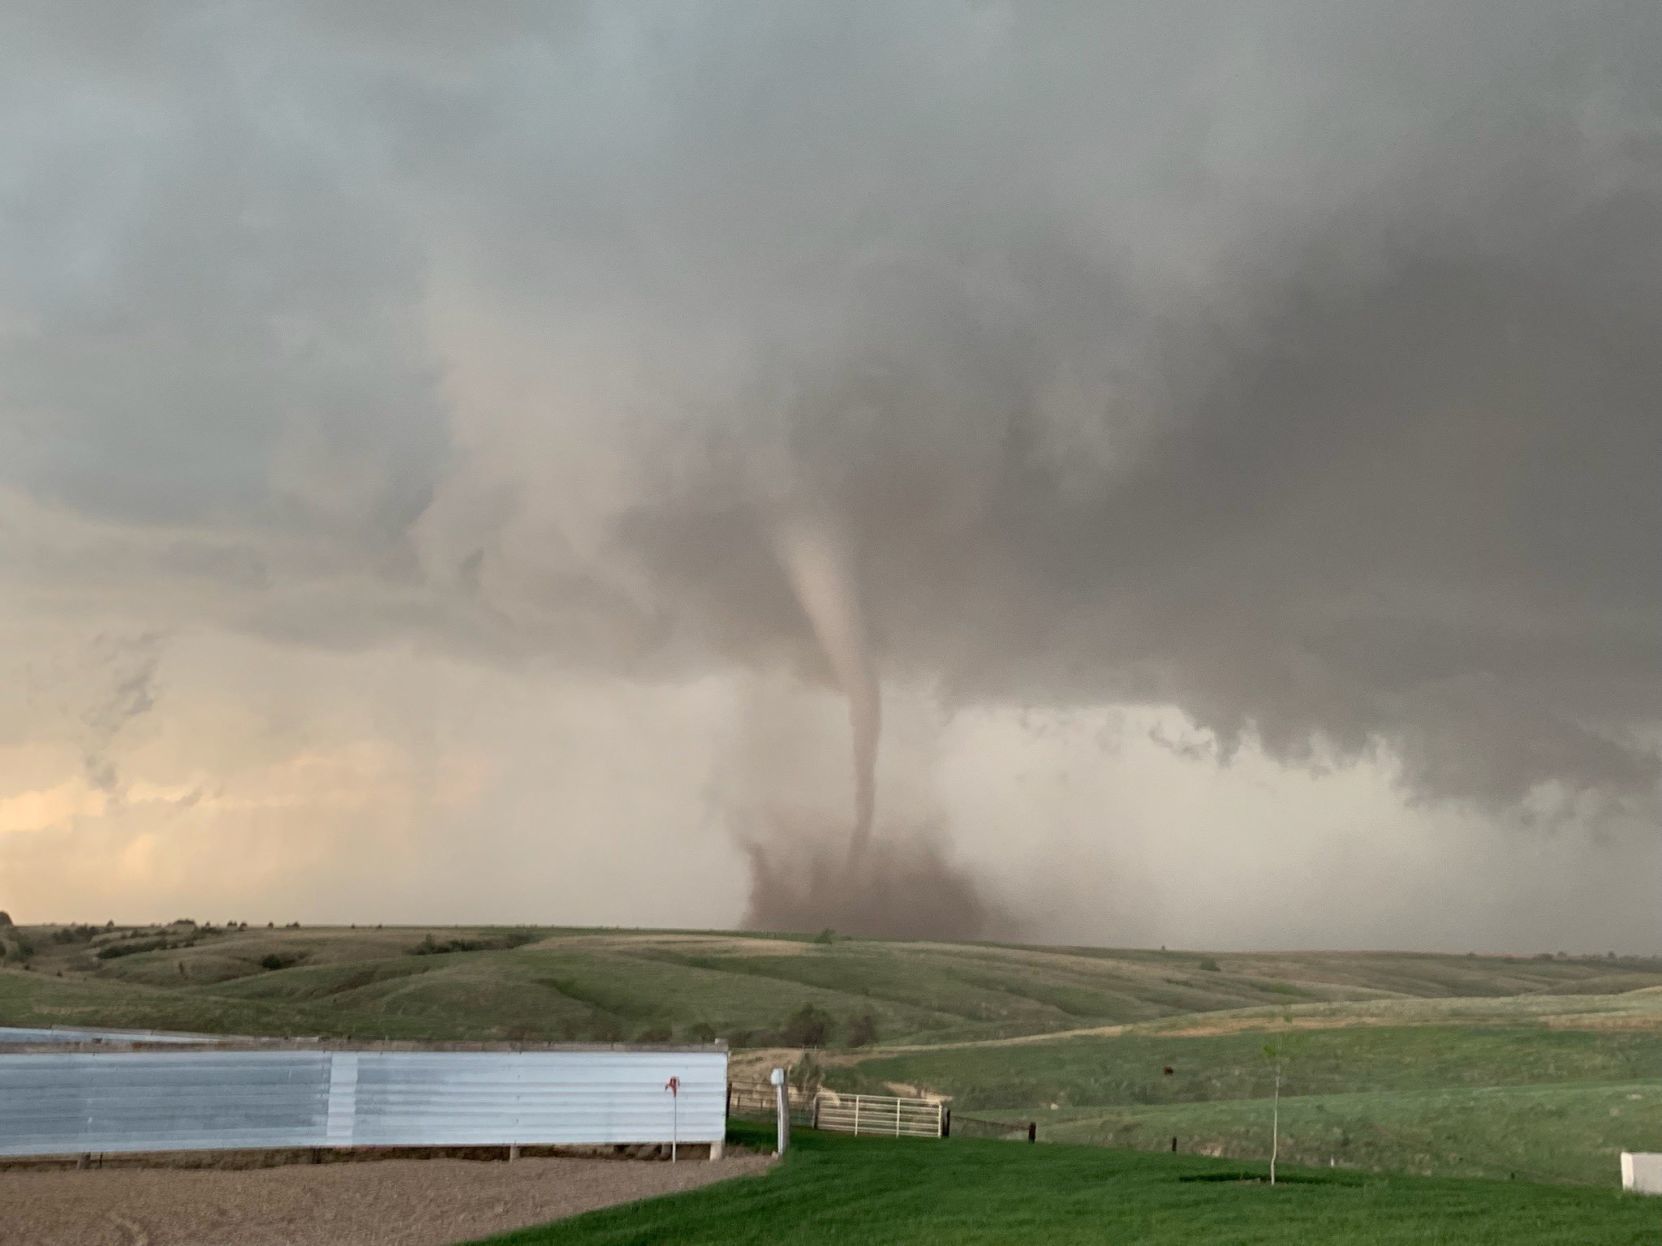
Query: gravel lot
{"type": "Point", "coordinates": [391, 1203]}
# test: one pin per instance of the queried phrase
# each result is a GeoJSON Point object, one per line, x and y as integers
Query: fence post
{"type": "Point", "coordinates": [946, 1122]}
{"type": "Point", "coordinates": [856, 1116]}
{"type": "Point", "coordinates": [782, 1109]}
{"type": "Point", "coordinates": [1032, 1131]}
{"type": "Point", "coordinates": [816, 1111]}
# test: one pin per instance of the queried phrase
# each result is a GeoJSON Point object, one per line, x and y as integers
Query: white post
{"type": "Point", "coordinates": [1275, 1123]}
{"type": "Point", "coordinates": [782, 1108]}
{"type": "Point", "coordinates": [856, 1116]}
{"type": "Point", "coordinates": [673, 1086]}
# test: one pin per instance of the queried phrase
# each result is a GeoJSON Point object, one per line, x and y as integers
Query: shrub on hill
{"type": "Point", "coordinates": [429, 946]}
{"type": "Point", "coordinates": [808, 1026]}
{"type": "Point", "coordinates": [132, 947]}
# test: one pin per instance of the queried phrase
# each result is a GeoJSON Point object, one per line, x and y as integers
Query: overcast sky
{"type": "Point", "coordinates": [1229, 434]}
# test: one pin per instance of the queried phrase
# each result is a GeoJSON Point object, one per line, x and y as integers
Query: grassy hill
{"type": "Point", "coordinates": [840, 1191]}
{"type": "Point", "coordinates": [483, 983]}
{"type": "Point", "coordinates": [1480, 1065]}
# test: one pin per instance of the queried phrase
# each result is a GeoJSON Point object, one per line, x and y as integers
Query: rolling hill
{"type": "Point", "coordinates": [1540, 1066]}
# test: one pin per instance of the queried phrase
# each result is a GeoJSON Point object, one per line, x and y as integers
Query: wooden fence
{"type": "Point", "coordinates": [754, 1101]}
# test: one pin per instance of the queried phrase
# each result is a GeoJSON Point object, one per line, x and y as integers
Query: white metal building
{"type": "Point", "coordinates": [84, 1101]}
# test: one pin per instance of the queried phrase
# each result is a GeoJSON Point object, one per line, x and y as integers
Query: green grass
{"type": "Point", "coordinates": [1572, 1133]}
{"type": "Point", "coordinates": [857, 1191]}
{"type": "Point", "coordinates": [563, 984]}
{"type": "Point", "coordinates": [1404, 1062]}
{"type": "Point", "coordinates": [1554, 1103]}
{"type": "Point", "coordinates": [1129, 1068]}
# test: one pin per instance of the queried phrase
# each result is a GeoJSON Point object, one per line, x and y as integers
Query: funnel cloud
{"type": "Point", "coordinates": [824, 585]}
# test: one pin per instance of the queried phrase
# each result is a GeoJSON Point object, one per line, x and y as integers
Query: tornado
{"type": "Point", "coordinates": [816, 562]}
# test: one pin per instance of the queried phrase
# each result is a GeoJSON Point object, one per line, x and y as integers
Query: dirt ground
{"type": "Point", "coordinates": [432, 1202]}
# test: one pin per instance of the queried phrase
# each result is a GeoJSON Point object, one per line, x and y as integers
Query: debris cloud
{"type": "Point", "coordinates": [904, 886]}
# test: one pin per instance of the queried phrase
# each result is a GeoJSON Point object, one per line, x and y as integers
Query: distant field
{"type": "Point", "coordinates": [840, 1191]}
{"type": "Point", "coordinates": [1542, 1066]}
{"type": "Point", "coordinates": [1473, 1093]}
{"type": "Point", "coordinates": [1542, 1133]}
{"type": "Point", "coordinates": [1130, 1067]}
{"type": "Point", "coordinates": [607, 985]}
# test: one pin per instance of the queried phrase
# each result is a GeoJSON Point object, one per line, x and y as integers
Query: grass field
{"type": "Point", "coordinates": [1549, 1093]}
{"type": "Point", "coordinates": [1129, 1067]}
{"type": "Point", "coordinates": [1569, 1133]}
{"type": "Point", "coordinates": [843, 1191]}
{"type": "Point", "coordinates": [1469, 1065]}
{"type": "Point", "coordinates": [607, 985]}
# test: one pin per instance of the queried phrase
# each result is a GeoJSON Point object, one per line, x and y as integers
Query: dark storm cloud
{"type": "Point", "coordinates": [1291, 363]}
{"type": "Point", "coordinates": [208, 291]}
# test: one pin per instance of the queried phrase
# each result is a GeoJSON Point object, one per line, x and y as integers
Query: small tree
{"type": "Point", "coordinates": [1272, 1053]}
{"type": "Point", "coordinates": [807, 1027]}
{"type": "Point", "coordinates": [862, 1031]}
{"type": "Point", "coordinates": [806, 1077]}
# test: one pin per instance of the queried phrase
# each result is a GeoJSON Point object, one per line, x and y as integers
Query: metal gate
{"type": "Point", "coordinates": [885, 1115]}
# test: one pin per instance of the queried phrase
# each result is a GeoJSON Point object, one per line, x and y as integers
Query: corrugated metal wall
{"type": "Point", "coordinates": [69, 1103]}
